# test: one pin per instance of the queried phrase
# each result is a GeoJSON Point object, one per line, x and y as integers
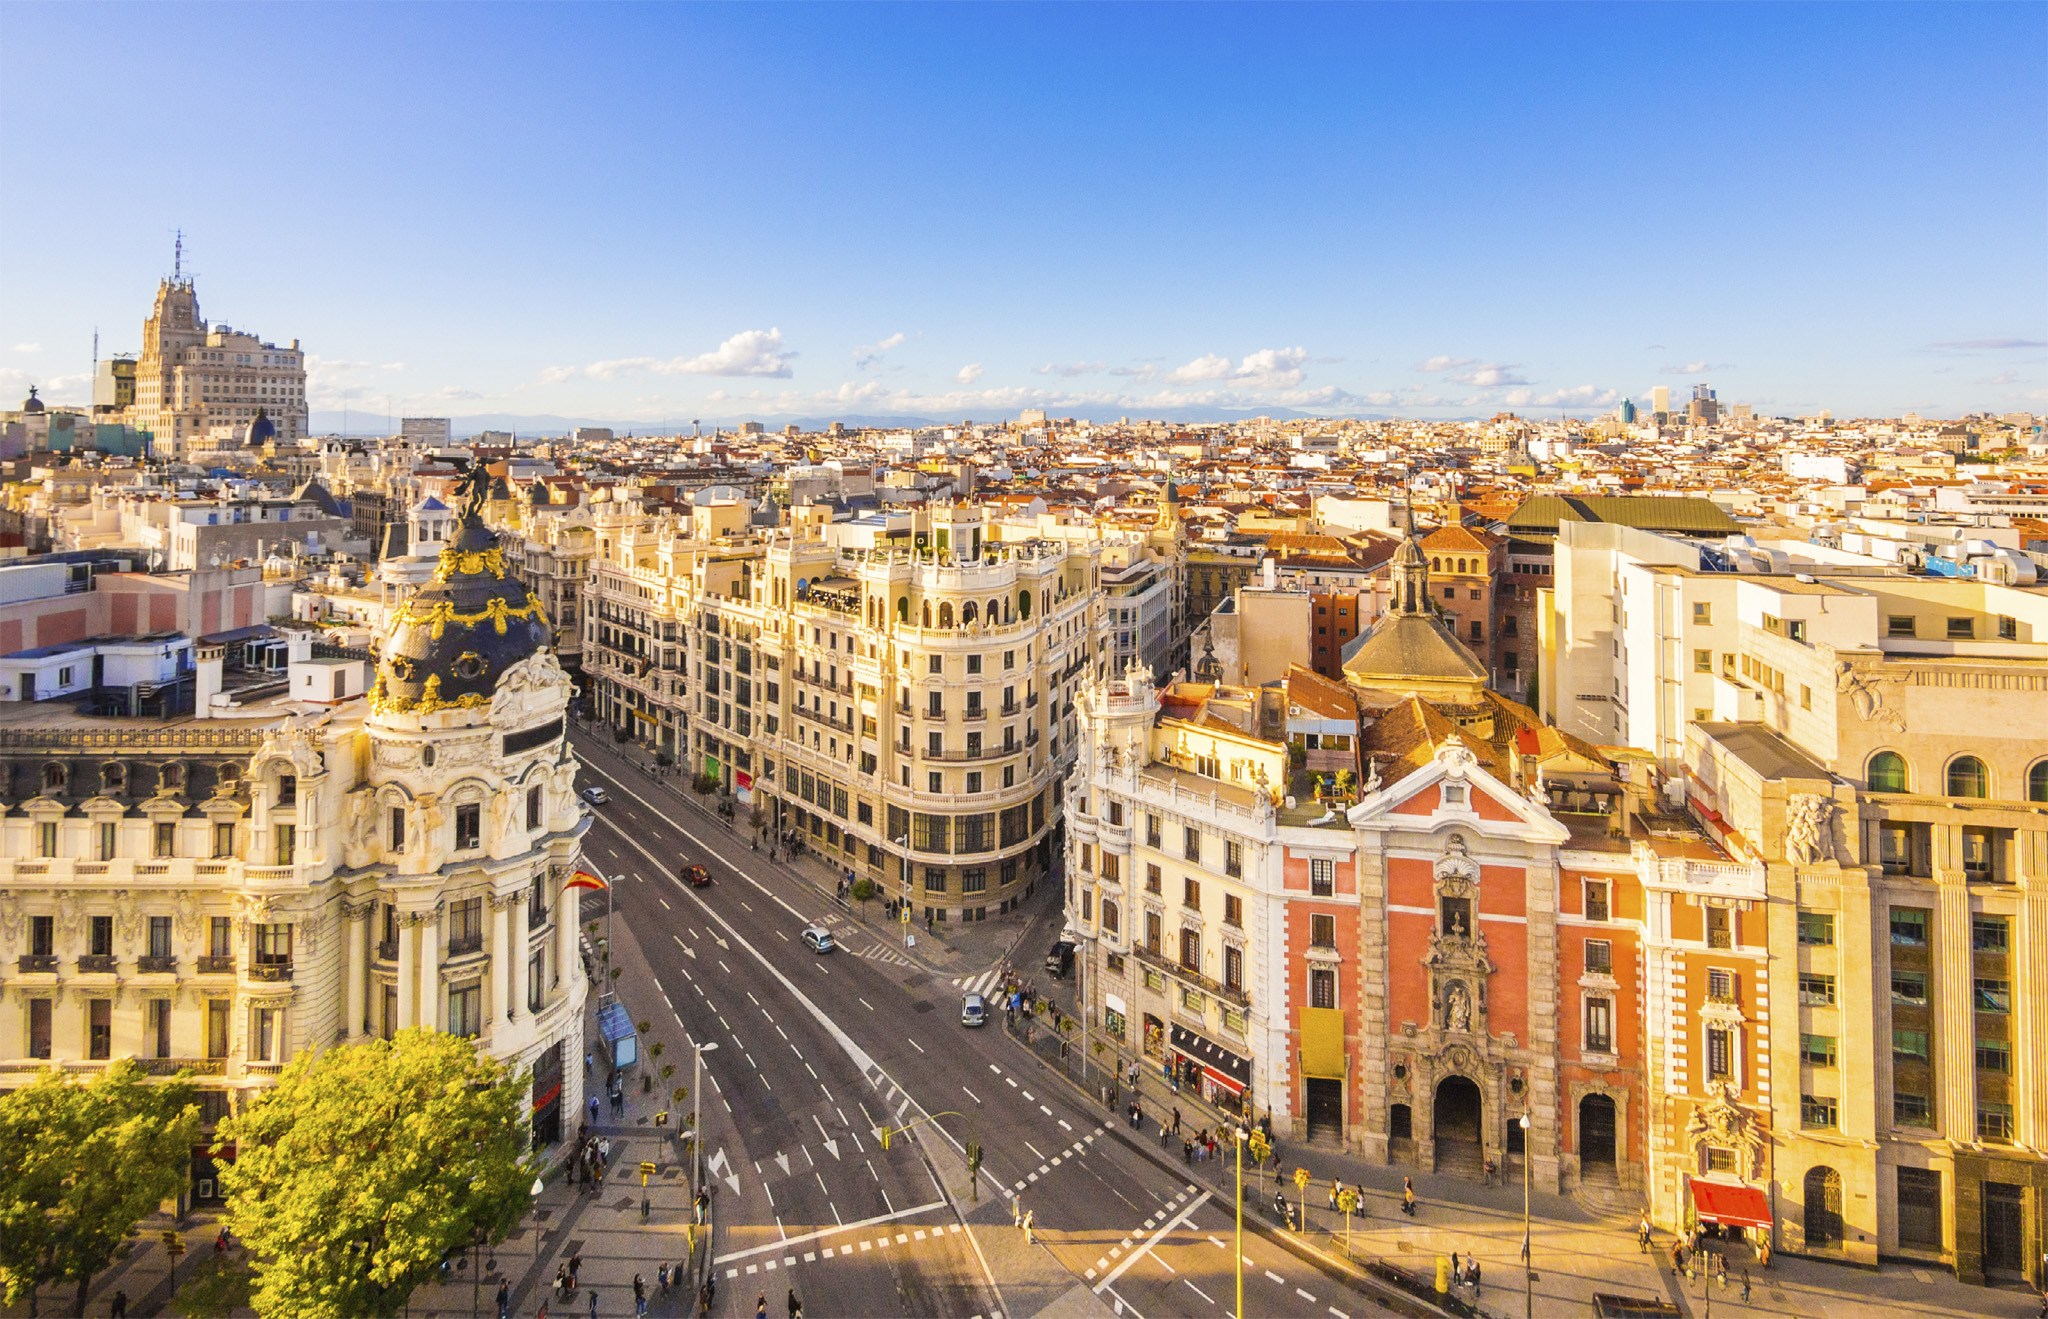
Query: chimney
{"type": "Point", "coordinates": [206, 683]}
{"type": "Point", "coordinates": [1272, 571]}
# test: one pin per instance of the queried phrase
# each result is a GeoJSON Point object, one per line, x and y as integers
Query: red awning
{"type": "Point", "coordinates": [1731, 1206]}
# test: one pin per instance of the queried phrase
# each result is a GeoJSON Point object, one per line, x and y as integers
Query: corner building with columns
{"type": "Point", "coordinates": [371, 850]}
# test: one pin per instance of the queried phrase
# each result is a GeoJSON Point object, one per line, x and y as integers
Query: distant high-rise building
{"type": "Point", "coordinates": [1628, 413]}
{"type": "Point", "coordinates": [113, 385]}
{"type": "Point", "coordinates": [1660, 399]}
{"type": "Point", "coordinates": [424, 432]}
{"type": "Point", "coordinates": [193, 377]}
{"type": "Point", "coordinates": [1704, 408]}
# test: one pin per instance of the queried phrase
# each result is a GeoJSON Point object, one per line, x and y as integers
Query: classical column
{"type": "Point", "coordinates": [567, 963]}
{"type": "Point", "coordinates": [408, 968]}
{"type": "Point", "coordinates": [430, 970]}
{"type": "Point", "coordinates": [518, 952]}
{"type": "Point", "coordinates": [501, 952]}
{"type": "Point", "coordinates": [355, 1008]}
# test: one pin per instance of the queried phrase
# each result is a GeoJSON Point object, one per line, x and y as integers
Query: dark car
{"type": "Point", "coordinates": [1060, 961]}
{"type": "Point", "coordinates": [696, 877]}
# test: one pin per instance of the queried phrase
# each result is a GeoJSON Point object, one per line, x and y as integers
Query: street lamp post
{"type": "Point", "coordinates": [1240, 1133]}
{"type": "Point", "coordinates": [697, 1115]}
{"type": "Point", "coordinates": [534, 1191]}
{"type": "Point", "coordinates": [1528, 1251]}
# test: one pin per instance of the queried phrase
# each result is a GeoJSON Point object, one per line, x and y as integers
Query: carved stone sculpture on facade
{"type": "Point", "coordinates": [1809, 829]}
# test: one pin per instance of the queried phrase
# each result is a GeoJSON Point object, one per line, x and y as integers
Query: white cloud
{"type": "Point", "coordinates": [2002, 378]}
{"type": "Point", "coordinates": [1580, 396]}
{"type": "Point", "coordinates": [62, 391]}
{"type": "Point", "coordinates": [1446, 363]}
{"type": "Point", "coordinates": [1207, 367]}
{"type": "Point", "coordinates": [1700, 367]}
{"type": "Point", "coordinates": [1489, 375]}
{"type": "Point", "coordinates": [1145, 372]}
{"type": "Point", "coordinates": [1271, 368]}
{"type": "Point", "coordinates": [968, 374]}
{"type": "Point", "coordinates": [555, 375]}
{"type": "Point", "coordinates": [455, 394]}
{"type": "Point", "coordinates": [867, 355]}
{"type": "Point", "coordinates": [1069, 370]}
{"type": "Point", "coordinates": [748, 353]}
{"type": "Point", "coordinates": [28, 348]}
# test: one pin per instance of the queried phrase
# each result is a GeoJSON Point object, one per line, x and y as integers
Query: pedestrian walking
{"type": "Point", "coordinates": [504, 1300]}
{"type": "Point", "coordinates": [588, 1060]}
{"type": "Point", "coordinates": [593, 1303]}
{"type": "Point", "coordinates": [639, 1288]}
{"type": "Point", "coordinates": [1337, 1186]}
{"type": "Point", "coordinates": [1474, 1267]}
{"type": "Point", "coordinates": [593, 1109]}
{"type": "Point", "coordinates": [796, 1307]}
{"type": "Point", "coordinates": [1643, 1235]}
{"type": "Point", "coordinates": [761, 1306]}
{"type": "Point", "coordinates": [1745, 1290]}
{"type": "Point", "coordinates": [1028, 1238]}
{"type": "Point", "coordinates": [1457, 1269]}
{"type": "Point", "coordinates": [1176, 1119]}
{"type": "Point", "coordinates": [703, 1199]}
{"type": "Point", "coordinates": [1408, 1196]}
{"type": "Point", "coordinates": [575, 1269]}
{"type": "Point", "coordinates": [120, 1306]}
{"type": "Point", "coordinates": [1187, 1153]}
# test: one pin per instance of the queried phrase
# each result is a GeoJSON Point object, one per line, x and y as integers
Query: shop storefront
{"type": "Point", "coordinates": [547, 1097]}
{"type": "Point", "coordinates": [1219, 1076]}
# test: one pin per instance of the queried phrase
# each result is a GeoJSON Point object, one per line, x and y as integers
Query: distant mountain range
{"type": "Point", "coordinates": [360, 423]}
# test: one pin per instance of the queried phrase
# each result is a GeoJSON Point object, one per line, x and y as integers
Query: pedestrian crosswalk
{"type": "Point", "coordinates": [886, 955]}
{"type": "Point", "coordinates": [983, 984]}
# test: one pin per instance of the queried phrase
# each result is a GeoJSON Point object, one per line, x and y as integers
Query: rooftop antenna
{"type": "Point", "coordinates": [178, 259]}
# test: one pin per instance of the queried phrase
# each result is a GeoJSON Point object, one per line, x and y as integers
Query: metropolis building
{"type": "Point", "coordinates": [365, 850]}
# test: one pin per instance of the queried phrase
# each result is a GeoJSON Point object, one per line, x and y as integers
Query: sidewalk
{"type": "Point", "coordinates": [953, 949]}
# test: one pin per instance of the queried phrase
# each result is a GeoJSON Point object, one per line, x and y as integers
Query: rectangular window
{"type": "Point", "coordinates": [1702, 614]}
{"type": "Point", "coordinates": [465, 926]}
{"type": "Point", "coordinates": [1233, 910]}
{"type": "Point", "coordinates": [934, 879]}
{"type": "Point", "coordinates": [1993, 995]}
{"type": "Point", "coordinates": [100, 1028]}
{"type": "Point", "coordinates": [1720, 986]}
{"type": "Point", "coordinates": [1987, 934]}
{"type": "Point", "coordinates": [274, 945]}
{"type": "Point", "coordinates": [220, 930]}
{"type": "Point", "coordinates": [1909, 927]}
{"type": "Point", "coordinates": [217, 1017]}
{"type": "Point", "coordinates": [1910, 988]}
{"type": "Point", "coordinates": [1600, 957]}
{"type": "Point", "coordinates": [973, 780]}
{"type": "Point", "coordinates": [1898, 625]}
{"type": "Point", "coordinates": [1962, 629]}
{"type": "Point", "coordinates": [1817, 1050]}
{"type": "Point", "coordinates": [976, 881]}
{"type": "Point", "coordinates": [287, 844]}
{"type": "Point", "coordinates": [1719, 931]}
{"type": "Point", "coordinates": [1994, 1056]}
{"type": "Point", "coordinates": [1151, 831]}
{"type": "Point", "coordinates": [1153, 932]}
{"type": "Point", "coordinates": [1600, 1025]}
{"type": "Point", "coordinates": [1191, 843]}
{"type": "Point", "coordinates": [1816, 991]}
{"type": "Point", "coordinates": [1191, 949]}
{"type": "Point", "coordinates": [100, 936]}
{"type": "Point", "coordinates": [1190, 894]}
{"type": "Point", "coordinates": [263, 1034]}
{"type": "Point", "coordinates": [167, 840]}
{"type": "Point", "coordinates": [1596, 900]}
{"type": "Point", "coordinates": [1322, 931]}
{"type": "Point", "coordinates": [159, 936]}
{"type": "Point", "coordinates": [1322, 877]}
{"type": "Point", "coordinates": [1909, 1045]}
{"type": "Point", "coordinates": [1151, 879]}
{"type": "Point", "coordinates": [533, 807]}
{"type": "Point", "coordinates": [1994, 1122]}
{"type": "Point", "coordinates": [1233, 859]}
{"type": "Point", "coordinates": [1703, 661]}
{"type": "Point", "coordinates": [469, 826]}
{"type": "Point", "coordinates": [158, 1021]}
{"type": "Point", "coordinates": [1910, 1110]}
{"type": "Point", "coordinates": [465, 1010]}
{"type": "Point", "coordinates": [1720, 1054]}
{"type": "Point", "coordinates": [1233, 969]}
{"type": "Point", "coordinates": [1817, 1111]}
{"type": "Point", "coordinates": [1816, 929]}
{"type": "Point", "coordinates": [108, 833]}
{"type": "Point", "coordinates": [1322, 988]}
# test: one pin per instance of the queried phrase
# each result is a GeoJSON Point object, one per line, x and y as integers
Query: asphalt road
{"type": "Point", "coordinates": [817, 1052]}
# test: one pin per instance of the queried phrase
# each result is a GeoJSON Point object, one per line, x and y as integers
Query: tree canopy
{"type": "Point", "coordinates": [82, 1160]}
{"type": "Point", "coordinates": [365, 1165]}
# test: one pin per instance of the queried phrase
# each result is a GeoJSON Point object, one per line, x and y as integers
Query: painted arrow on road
{"type": "Point", "coordinates": [783, 1159]}
{"type": "Point", "coordinates": [728, 1177]}
{"type": "Point", "coordinates": [832, 1145]}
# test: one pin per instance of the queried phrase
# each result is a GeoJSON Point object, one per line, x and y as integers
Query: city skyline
{"type": "Point", "coordinates": [646, 216]}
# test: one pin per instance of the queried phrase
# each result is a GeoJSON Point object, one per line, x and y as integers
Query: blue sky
{"type": "Point", "coordinates": [650, 212]}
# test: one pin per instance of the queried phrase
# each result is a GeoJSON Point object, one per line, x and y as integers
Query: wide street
{"type": "Point", "coordinates": [817, 1052]}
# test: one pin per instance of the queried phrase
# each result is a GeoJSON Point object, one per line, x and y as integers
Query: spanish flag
{"type": "Point", "coordinates": [585, 879]}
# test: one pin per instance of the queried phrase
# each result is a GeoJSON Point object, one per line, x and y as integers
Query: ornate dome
{"type": "Point", "coordinates": [458, 634]}
{"type": "Point", "coordinates": [261, 431]}
{"type": "Point", "coordinates": [32, 404]}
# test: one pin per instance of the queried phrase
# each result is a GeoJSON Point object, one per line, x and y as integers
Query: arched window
{"type": "Point", "coordinates": [1968, 778]}
{"type": "Point", "coordinates": [1109, 917]}
{"type": "Point", "coordinates": [1024, 604]}
{"type": "Point", "coordinates": [994, 614]}
{"type": "Point", "coordinates": [927, 613]}
{"type": "Point", "coordinates": [903, 609]}
{"type": "Point", "coordinates": [53, 778]}
{"type": "Point", "coordinates": [113, 777]}
{"type": "Point", "coordinates": [945, 614]}
{"type": "Point", "coordinates": [2037, 782]}
{"type": "Point", "coordinates": [1435, 564]}
{"type": "Point", "coordinates": [1461, 565]}
{"type": "Point", "coordinates": [1887, 772]}
{"type": "Point", "coordinates": [968, 613]}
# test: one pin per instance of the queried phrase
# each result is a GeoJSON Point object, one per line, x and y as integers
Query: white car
{"type": "Point", "coordinates": [595, 796]}
{"type": "Point", "coordinates": [818, 939]}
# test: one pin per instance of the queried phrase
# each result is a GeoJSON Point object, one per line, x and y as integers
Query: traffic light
{"type": "Point", "coordinates": [885, 1140]}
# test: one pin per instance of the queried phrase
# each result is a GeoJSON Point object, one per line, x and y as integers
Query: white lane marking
{"type": "Point", "coordinates": [777, 1246]}
{"type": "Point", "coordinates": [1276, 1277]}
{"type": "Point", "coordinates": [1199, 1292]}
{"type": "Point", "coordinates": [1304, 1296]}
{"type": "Point", "coordinates": [778, 934]}
{"type": "Point", "coordinates": [664, 904]}
{"type": "Point", "coordinates": [971, 1095]}
{"type": "Point", "coordinates": [869, 1006]}
{"type": "Point", "coordinates": [915, 1045]}
{"type": "Point", "coordinates": [1153, 1240]}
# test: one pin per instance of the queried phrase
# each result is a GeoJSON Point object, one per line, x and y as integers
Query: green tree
{"type": "Point", "coordinates": [863, 890]}
{"type": "Point", "coordinates": [80, 1164]}
{"type": "Point", "coordinates": [367, 1164]}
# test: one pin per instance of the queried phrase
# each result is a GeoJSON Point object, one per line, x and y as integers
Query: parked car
{"type": "Point", "coordinates": [818, 939]}
{"type": "Point", "coordinates": [595, 796]}
{"type": "Point", "coordinates": [973, 1011]}
{"type": "Point", "coordinates": [1060, 960]}
{"type": "Point", "coordinates": [696, 877]}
